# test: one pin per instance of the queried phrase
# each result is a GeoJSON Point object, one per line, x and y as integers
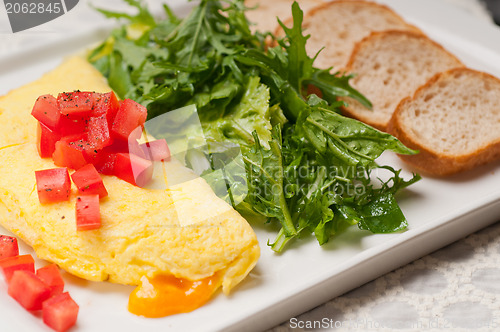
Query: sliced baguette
{"type": "Point", "coordinates": [339, 25]}
{"type": "Point", "coordinates": [389, 66]}
{"type": "Point", "coordinates": [454, 120]}
{"type": "Point", "coordinates": [263, 14]}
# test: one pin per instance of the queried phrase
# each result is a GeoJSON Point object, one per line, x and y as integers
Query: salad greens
{"type": "Point", "coordinates": [304, 166]}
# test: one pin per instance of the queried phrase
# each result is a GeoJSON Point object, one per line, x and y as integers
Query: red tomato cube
{"type": "Point", "coordinates": [130, 146]}
{"type": "Point", "coordinates": [46, 140]}
{"type": "Point", "coordinates": [11, 264]}
{"type": "Point", "coordinates": [105, 162]}
{"type": "Point", "coordinates": [51, 276]}
{"type": "Point", "coordinates": [67, 153]}
{"type": "Point", "coordinates": [133, 169]}
{"type": "Point", "coordinates": [88, 214]}
{"type": "Point", "coordinates": [46, 111]}
{"type": "Point", "coordinates": [89, 181]}
{"type": "Point", "coordinates": [156, 150]}
{"type": "Point", "coordinates": [76, 102]}
{"type": "Point", "coordinates": [98, 134]}
{"type": "Point", "coordinates": [74, 124]}
{"type": "Point", "coordinates": [107, 104]}
{"type": "Point", "coordinates": [60, 312]}
{"type": "Point", "coordinates": [117, 146]}
{"type": "Point", "coordinates": [53, 185]}
{"type": "Point", "coordinates": [8, 246]}
{"type": "Point", "coordinates": [106, 158]}
{"type": "Point", "coordinates": [27, 289]}
{"type": "Point", "coordinates": [130, 116]}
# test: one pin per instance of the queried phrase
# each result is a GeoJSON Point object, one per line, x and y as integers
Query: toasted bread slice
{"type": "Point", "coordinates": [389, 66]}
{"type": "Point", "coordinates": [264, 13]}
{"type": "Point", "coordinates": [453, 120]}
{"type": "Point", "coordinates": [338, 25]}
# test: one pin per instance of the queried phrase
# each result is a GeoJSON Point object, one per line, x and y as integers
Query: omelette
{"type": "Point", "coordinates": [184, 232]}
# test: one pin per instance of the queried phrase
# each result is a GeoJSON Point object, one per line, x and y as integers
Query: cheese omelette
{"type": "Point", "coordinates": [184, 231]}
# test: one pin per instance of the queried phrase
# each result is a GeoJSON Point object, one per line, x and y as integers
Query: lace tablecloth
{"type": "Point", "coordinates": [456, 288]}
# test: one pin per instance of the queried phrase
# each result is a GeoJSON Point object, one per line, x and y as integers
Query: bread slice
{"type": "Point", "coordinates": [454, 120]}
{"type": "Point", "coordinates": [264, 13]}
{"type": "Point", "coordinates": [339, 25]}
{"type": "Point", "coordinates": [389, 66]}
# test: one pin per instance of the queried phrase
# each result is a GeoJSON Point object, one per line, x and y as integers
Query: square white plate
{"type": "Point", "coordinates": [439, 211]}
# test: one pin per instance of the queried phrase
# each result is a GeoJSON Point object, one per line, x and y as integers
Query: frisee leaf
{"type": "Point", "coordinates": [265, 178]}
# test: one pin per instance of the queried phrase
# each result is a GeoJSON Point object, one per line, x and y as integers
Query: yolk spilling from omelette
{"type": "Point", "coordinates": [165, 295]}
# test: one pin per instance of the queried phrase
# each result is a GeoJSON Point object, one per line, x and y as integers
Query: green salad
{"type": "Point", "coordinates": [303, 165]}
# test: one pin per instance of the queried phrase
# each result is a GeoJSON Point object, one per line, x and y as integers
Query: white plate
{"type": "Point", "coordinates": [306, 275]}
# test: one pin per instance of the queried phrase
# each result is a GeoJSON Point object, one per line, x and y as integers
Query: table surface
{"type": "Point", "coordinates": [455, 288]}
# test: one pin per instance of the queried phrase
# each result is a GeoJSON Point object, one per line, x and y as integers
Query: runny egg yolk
{"type": "Point", "coordinates": [165, 295]}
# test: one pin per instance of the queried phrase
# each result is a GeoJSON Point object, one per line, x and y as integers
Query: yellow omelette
{"type": "Point", "coordinates": [184, 232]}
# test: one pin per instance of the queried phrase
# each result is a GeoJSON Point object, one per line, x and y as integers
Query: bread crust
{"type": "Point", "coordinates": [391, 12]}
{"type": "Point", "coordinates": [309, 17]}
{"type": "Point", "coordinates": [373, 37]}
{"type": "Point", "coordinates": [263, 14]}
{"type": "Point", "coordinates": [428, 160]}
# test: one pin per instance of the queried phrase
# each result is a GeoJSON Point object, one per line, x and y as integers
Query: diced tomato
{"type": "Point", "coordinates": [73, 152]}
{"type": "Point", "coordinates": [46, 140]}
{"type": "Point", "coordinates": [11, 264]}
{"type": "Point", "coordinates": [105, 159]}
{"type": "Point", "coordinates": [107, 104]}
{"type": "Point", "coordinates": [133, 169]}
{"type": "Point", "coordinates": [93, 128]}
{"type": "Point", "coordinates": [27, 289]}
{"type": "Point", "coordinates": [8, 246]}
{"type": "Point", "coordinates": [76, 102]}
{"type": "Point", "coordinates": [105, 162]}
{"type": "Point", "coordinates": [51, 276]}
{"type": "Point", "coordinates": [130, 116]}
{"type": "Point", "coordinates": [156, 150]}
{"type": "Point", "coordinates": [117, 146]}
{"type": "Point", "coordinates": [60, 312]}
{"type": "Point", "coordinates": [88, 181]}
{"type": "Point", "coordinates": [53, 185]}
{"type": "Point", "coordinates": [98, 134]}
{"type": "Point", "coordinates": [121, 146]}
{"type": "Point", "coordinates": [67, 155]}
{"type": "Point", "coordinates": [75, 124]}
{"type": "Point", "coordinates": [46, 111]}
{"type": "Point", "coordinates": [88, 214]}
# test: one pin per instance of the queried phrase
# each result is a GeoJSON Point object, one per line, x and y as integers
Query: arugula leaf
{"type": "Point", "coordinates": [119, 77]}
{"type": "Point", "coordinates": [334, 86]}
{"type": "Point", "coordinates": [350, 141]}
{"type": "Point", "coordinates": [300, 65]}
